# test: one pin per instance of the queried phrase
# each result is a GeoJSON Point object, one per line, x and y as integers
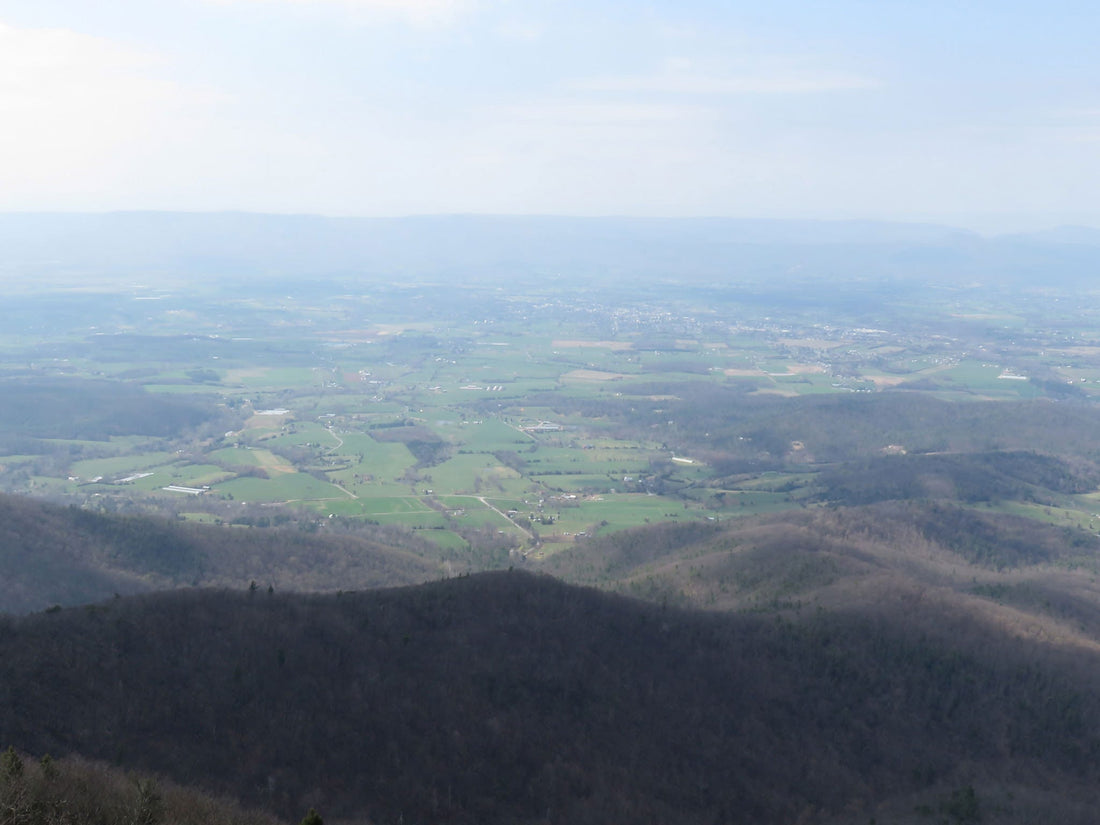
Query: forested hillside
{"type": "Point", "coordinates": [53, 555]}
{"type": "Point", "coordinates": [75, 791]}
{"type": "Point", "coordinates": [514, 698]}
{"type": "Point", "coordinates": [951, 564]}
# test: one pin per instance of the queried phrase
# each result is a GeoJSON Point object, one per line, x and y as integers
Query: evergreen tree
{"type": "Point", "coordinates": [11, 766]}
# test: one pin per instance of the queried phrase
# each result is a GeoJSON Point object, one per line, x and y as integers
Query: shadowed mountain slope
{"type": "Point", "coordinates": [1030, 579]}
{"type": "Point", "coordinates": [64, 555]}
{"type": "Point", "coordinates": [513, 698]}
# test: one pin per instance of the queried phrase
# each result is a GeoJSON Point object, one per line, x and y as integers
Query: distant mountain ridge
{"type": "Point", "coordinates": [71, 247]}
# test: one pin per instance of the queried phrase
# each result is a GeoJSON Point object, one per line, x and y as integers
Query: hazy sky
{"type": "Point", "coordinates": [983, 113]}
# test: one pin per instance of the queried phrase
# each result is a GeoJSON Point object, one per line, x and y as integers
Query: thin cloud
{"type": "Point", "coordinates": [762, 84]}
{"type": "Point", "coordinates": [416, 12]}
{"type": "Point", "coordinates": [584, 113]}
{"type": "Point", "coordinates": [63, 71]}
{"type": "Point", "coordinates": [55, 79]}
{"type": "Point", "coordinates": [74, 104]}
{"type": "Point", "coordinates": [516, 30]}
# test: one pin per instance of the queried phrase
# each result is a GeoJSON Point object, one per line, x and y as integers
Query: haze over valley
{"type": "Point", "coordinates": [442, 412]}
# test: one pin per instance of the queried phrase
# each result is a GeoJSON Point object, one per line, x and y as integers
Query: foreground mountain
{"type": "Point", "coordinates": [515, 698]}
{"type": "Point", "coordinates": [75, 791]}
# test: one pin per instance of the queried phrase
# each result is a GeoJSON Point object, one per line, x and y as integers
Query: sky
{"type": "Point", "coordinates": [975, 113]}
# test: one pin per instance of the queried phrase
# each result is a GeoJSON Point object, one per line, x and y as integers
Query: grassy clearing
{"type": "Point", "coordinates": [466, 502]}
{"type": "Point", "coordinates": [188, 388]}
{"type": "Point", "coordinates": [446, 540]}
{"type": "Point", "coordinates": [300, 433]}
{"type": "Point", "coordinates": [252, 457]}
{"type": "Point", "coordinates": [13, 460]}
{"type": "Point", "coordinates": [751, 503]}
{"type": "Point", "coordinates": [109, 468]}
{"type": "Point", "coordinates": [387, 461]}
{"type": "Point", "coordinates": [273, 377]}
{"type": "Point", "coordinates": [200, 518]}
{"type": "Point", "coordinates": [235, 456]}
{"type": "Point", "coordinates": [1084, 515]}
{"type": "Point", "coordinates": [429, 520]}
{"type": "Point", "coordinates": [393, 505]}
{"type": "Point", "coordinates": [579, 482]}
{"type": "Point", "coordinates": [772, 481]}
{"type": "Point", "coordinates": [468, 473]}
{"type": "Point", "coordinates": [615, 512]}
{"type": "Point", "coordinates": [491, 434]}
{"type": "Point", "coordinates": [198, 475]}
{"type": "Point", "coordinates": [617, 461]}
{"type": "Point", "coordinates": [483, 516]}
{"type": "Point", "coordinates": [286, 487]}
{"type": "Point", "coordinates": [985, 379]}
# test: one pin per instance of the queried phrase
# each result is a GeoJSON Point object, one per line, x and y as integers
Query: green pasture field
{"type": "Point", "coordinates": [752, 502]}
{"type": "Point", "coordinates": [257, 457]}
{"type": "Point", "coordinates": [110, 468]}
{"type": "Point", "coordinates": [544, 380]}
{"type": "Point", "coordinates": [180, 376]}
{"type": "Point", "coordinates": [475, 512]}
{"type": "Point", "coordinates": [117, 444]}
{"type": "Point", "coordinates": [384, 461]}
{"type": "Point", "coordinates": [392, 505]}
{"type": "Point", "coordinates": [349, 508]}
{"type": "Point", "coordinates": [619, 511]}
{"type": "Point", "coordinates": [201, 518]}
{"type": "Point", "coordinates": [446, 540]}
{"type": "Point", "coordinates": [457, 474]}
{"type": "Point", "coordinates": [463, 501]}
{"type": "Point", "coordinates": [378, 489]}
{"type": "Point", "coordinates": [598, 442]}
{"type": "Point", "coordinates": [479, 516]}
{"type": "Point", "coordinates": [984, 378]}
{"type": "Point", "coordinates": [235, 456]}
{"type": "Point", "coordinates": [296, 433]}
{"type": "Point", "coordinates": [488, 435]}
{"type": "Point", "coordinates": [1067, 516]}
{"type": "Point", "coordinates": [474, 502]}
{"type": "Point", "coordinates": [523, 506]}
{"type": "Point", "coordinates": [366, 410]}
{"type": "Point", "coordinates": [519, 369]}
{"type": "Point", "coordinates": [580, 482]}
{"type": "Point", "coordinates": [189, 388]}
{"type": "Point", "coordinates": [818, 389]}
{"type": "Point", "coordinates": [273, 377]}
{"type": "Point", "coordinates": [151, 480]}
{"type": "Point", "coordinates": [197, 475]}
{"type": "Point", "coordinates": [17, 459]}
{"type": "Point", "coordinates": [430, 520]}
{"type": "Point", "coordinates": [1086, 379]}
{"type": "Point", "coordinates": [285, 487]}
{"type": "Point", "coordinates": [588, 389]}
{"type": "Point", "coordinates": [770, 481]}
{"type": "Point", "coordinates": [622, 460]}
{"type": "Point", "coordinates": [53, 486]}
